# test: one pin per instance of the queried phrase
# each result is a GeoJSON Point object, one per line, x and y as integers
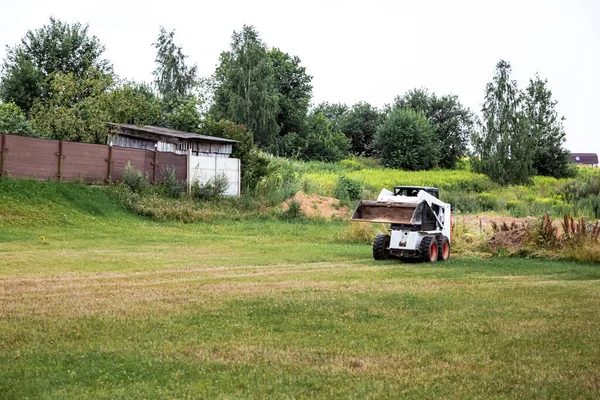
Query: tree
{"type": "Point", "coordinates": [333, 112]}
{"type": "Point", "coordinates": [294, 88]}
{"type": "Point", "coordinates": [254, 164]}
{"type": "Point", "coordinates": [13, 120]}
{"type": "Point", "coordinates": [133, 103]}
{"type": "Point", "coordinates": [504, 148]}
{"type": "Point", "coordinates": [549, 158]}
{"type": "Point", "coordinates": [173, 79]}
{"type": "Point", "coordinates": [406, 140]}
{"type": "Point", "coordinates": [75, 109]}
{"type": "Point", "coordinates": [321, 142]}
{"type": "Point", "coordinates": [359, 125]}
{"type": "Point", "coordinates": [182, 115]}
{"type": "Point", "coordinates": [245, 90]}
{"type": "Point", "coordinates": [418, 100]}
{"type": "Point", "coordinates": [454, 124]}
{"type": "Point", "coordinates": [57, 47]}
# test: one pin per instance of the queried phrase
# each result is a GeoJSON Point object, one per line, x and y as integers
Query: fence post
{"type": "Point", "coordinates": [2, 150]}
{"type": "Point", "coordinates": [60, 160]}
{"type": "Point", "coordinates": [189, 171]}
{"type": "Point", "coordinates": [109, 160]}
{"type": "Point", "coordinates": [239, 168]}
{"type": "Point", "coordinates": [154, 164]}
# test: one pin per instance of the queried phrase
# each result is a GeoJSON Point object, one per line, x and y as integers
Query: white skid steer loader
{"type": "Point", "coordinates": [420, 224]}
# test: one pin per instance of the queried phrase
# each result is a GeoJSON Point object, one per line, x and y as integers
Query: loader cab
{"type": "Point", "coordinates": [413, 191]}
{"type": "Point", "coordinates": [424, 215]}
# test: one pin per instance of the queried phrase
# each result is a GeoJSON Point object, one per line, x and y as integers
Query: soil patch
{"type": "Point", "coordinates": [314, 205]}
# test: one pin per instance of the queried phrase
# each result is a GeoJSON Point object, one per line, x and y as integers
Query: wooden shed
{"type": "Point", "coordinates": [168, 140]}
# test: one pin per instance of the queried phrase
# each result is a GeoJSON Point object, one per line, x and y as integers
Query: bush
{"type": "Point", "coordinates": [294, 211]}
{"type": "Point", "coordinates": [170, 186]}
{"type": "Point", "coordinates": [13, 120]}
{"type": "Point", "coordinates": [321, 143]}
{"type": "Point", "coordinates": [348, 189]}
{"type": "Point", "coordinates": [214, 189]}
{"type": "Point", "coordinates": [254, 163]}
{"type": "Point", "coordinates": [135, 179]}
{"type": "Point", "coordinates": [351, 164]}
{"type": "Point", "coordinates": [406, 140]}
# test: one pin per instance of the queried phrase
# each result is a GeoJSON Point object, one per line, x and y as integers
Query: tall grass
{"type": "Point", "coordinates": [468, 192]}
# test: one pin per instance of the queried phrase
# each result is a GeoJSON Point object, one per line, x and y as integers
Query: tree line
{"type": "Point", "coordinates": [56, 84]}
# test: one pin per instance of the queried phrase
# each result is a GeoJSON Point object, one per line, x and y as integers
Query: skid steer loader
{"type": "Point", "coordinates": [420, 224]}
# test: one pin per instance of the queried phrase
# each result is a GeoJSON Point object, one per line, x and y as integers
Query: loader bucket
{"type": "Point", "coordinates": [383, 211]}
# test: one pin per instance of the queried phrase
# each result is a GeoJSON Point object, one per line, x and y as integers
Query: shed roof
{"type": "Point", "coordinates": [134, 130]}
{"type": "Point", "coordinates": [585, 158]}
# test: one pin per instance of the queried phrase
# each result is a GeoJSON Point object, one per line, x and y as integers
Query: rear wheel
{"type": "Point", "coordinates": [429, 249]}
{"type": "Point", "coordinates": [443, 248]}
{"type": "Point", "coordinates": [381, 247]}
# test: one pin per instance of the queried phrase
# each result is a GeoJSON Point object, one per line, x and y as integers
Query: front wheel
{"type": "Point", "coordinates": [381, 247]}
{"type": "Point", "coordinates": [429, 249]}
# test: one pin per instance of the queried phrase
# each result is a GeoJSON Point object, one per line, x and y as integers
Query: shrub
{"type": "Point", "coordinates": [351, 164]}
{"type": "Point", "coordinates": [406, 140]}
{"type": "Point", "coordinates": [490, 202]}
{"type": "Point", "coordinates": [214, 189]}
{"type": "Point", "coordinates": [135, 179]}
{"type": "Point", "coordinates": [322, 143]}
{"type": "Point", "coordinates": [170, 186]}
{"type": "Point", "coordinates": [13, 120]}
{"type": "Point", "coordinates": [347, 189]}
{"type": "Point", "coordinates": [294, 211]}
{"type": "Point", "coordinates": [254, 163]}
{"type": "Point", "coordinates": [462, 202]}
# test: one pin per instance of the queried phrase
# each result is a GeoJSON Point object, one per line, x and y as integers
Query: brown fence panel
{"type": "Point", "coordinates": [172, 160]}
{"type": "Point", "coordinates": [140, 159]}
{"type": "Point", "coordinates": [85, 162]}
{"type": "Point", "coordinates": [25, 157]}
{"type": "Point", "coordinates": [31, 158]}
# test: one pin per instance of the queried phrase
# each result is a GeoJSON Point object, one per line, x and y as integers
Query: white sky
{"type": "Point", "coordinates": [363, 50]}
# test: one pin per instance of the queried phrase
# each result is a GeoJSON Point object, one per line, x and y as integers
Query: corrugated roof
{"type": "Point", "coordinates": [157, 130]}
{"type": "Point", "coordinates": [585, 158]}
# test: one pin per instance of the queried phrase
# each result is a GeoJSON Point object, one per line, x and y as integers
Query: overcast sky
{"type": "Point", "coordinates": [363, 50]}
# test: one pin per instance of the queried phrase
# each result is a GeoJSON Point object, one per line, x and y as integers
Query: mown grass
{"type": "Point", "coordinates": [114, 305]}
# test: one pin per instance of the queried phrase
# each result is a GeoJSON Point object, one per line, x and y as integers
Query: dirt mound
{"type": "Point", "coordinates": [314, 205]}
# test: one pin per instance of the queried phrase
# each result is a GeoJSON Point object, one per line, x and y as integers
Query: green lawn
{"type": "Point", "coordinates": [114, 306]}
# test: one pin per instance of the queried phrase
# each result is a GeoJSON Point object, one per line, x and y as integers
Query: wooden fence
{"type": "Point", "coordinates": [23, 157]}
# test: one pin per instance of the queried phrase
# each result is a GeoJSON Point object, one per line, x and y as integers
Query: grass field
{"type": "Point", "coordinates": [109, 305]}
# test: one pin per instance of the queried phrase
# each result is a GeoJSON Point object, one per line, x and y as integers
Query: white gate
{"type": "Point", "coordinates": [203, 169]}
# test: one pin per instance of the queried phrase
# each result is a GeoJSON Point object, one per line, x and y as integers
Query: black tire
{"type": "Point", "coordinates": [429, 249]}
{"type": "Point", "coordinates": [381, 247]}
{"type": "Point", "coordinates": [443, 248]}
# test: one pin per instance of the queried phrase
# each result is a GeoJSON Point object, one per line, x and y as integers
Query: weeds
{"type": "Point", "coordinates": [293, 212]}
{"type": "Point", "coordinates": [360, 232]}
{"type": "Point", "coordinates": [212, 190]}
{"type": "Point", "coordinates": [170, 186]}
{"type": "Point", "coordinates": [347, 189]}
{"type": "Point", "coordinates": [135, 179]}
{"type": "Point", "coordinates": [578, 241]}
